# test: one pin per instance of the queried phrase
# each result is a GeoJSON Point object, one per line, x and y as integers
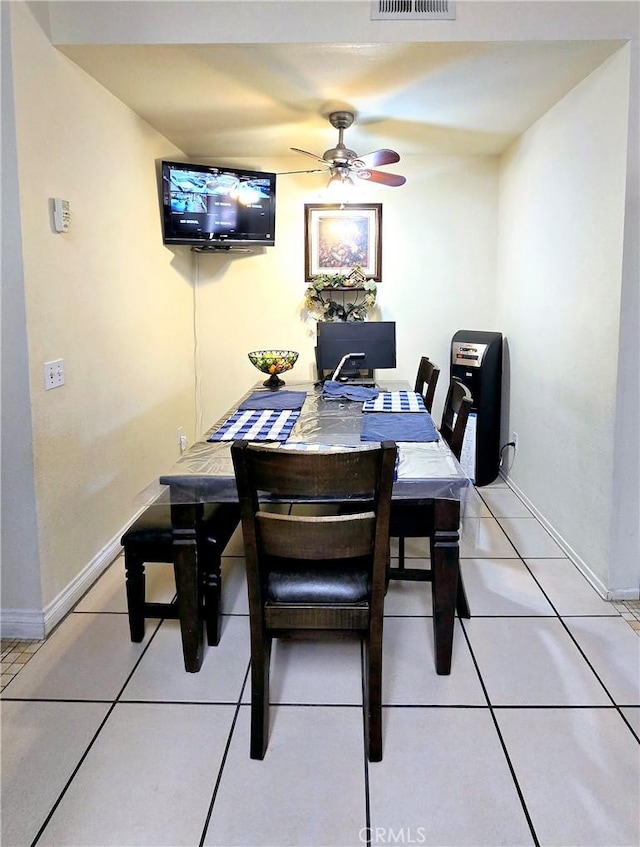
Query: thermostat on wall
{"type": "Point", "coordinates": [61, 215]}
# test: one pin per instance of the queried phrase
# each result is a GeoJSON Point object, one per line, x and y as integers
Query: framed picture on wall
{"type": "Point", "coordinates": [339, 236]}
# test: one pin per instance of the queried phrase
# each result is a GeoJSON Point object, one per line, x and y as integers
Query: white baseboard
{"type": "Point", "coordinates": [624, 594]}
{"type": "Point", "coordinates": [78, 587]}
{"type": "Point", "coordinates": [24, 624]}
{"type": "Point", "coordinates": [583, 567]}
{"type": "Point", "coordinates": [28, 625]}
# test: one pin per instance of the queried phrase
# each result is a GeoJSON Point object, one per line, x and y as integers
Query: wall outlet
{"type": "Point", "coordinates": [53, 374]}
{"type": "Point", "coordinates": [182, 440]}
{"type": "Point", "coordinates": [514, 438]}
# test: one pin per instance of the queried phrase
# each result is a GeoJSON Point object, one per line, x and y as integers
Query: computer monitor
{"type": "Point", "coordinates": [376, 339]}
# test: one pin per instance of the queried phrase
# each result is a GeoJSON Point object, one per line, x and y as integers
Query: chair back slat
{"type": "Point", "coordinates": [299, 473]}
{"type": "Point", "coordinates": [426, 381]}
{"type": "Point", "coordinates": [455, 415]}
{"type": "Point", "coordinates": [317, 537]}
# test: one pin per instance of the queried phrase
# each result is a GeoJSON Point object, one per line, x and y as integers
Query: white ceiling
{"type": "Point", "coordinates": [217, 101]}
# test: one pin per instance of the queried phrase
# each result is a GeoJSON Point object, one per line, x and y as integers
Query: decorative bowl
{"type": "Point", "coordinates": [273, 362]}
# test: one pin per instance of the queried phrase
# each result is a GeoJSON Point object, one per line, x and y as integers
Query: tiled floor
{"type": "Point", "coordinates": [532, 739]}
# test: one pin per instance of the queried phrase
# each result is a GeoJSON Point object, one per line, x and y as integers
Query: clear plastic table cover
{"type": "Point", "coordinates": [425, 470]}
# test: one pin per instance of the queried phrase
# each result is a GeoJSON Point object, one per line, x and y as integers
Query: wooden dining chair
{"type": "Point", "coordinates": [426, 381]}
{"type": "Point", "coordinates": [315, 574]}
{"type": "Point", "coordinates": [414, 518]}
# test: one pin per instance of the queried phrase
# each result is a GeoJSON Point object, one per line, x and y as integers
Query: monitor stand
{"type": "Point", "coordinates": [368, 383]}
{"type": "Point", "coordinates": [358, 379]}
{"type": "Point", "coordinates": [353, 376]}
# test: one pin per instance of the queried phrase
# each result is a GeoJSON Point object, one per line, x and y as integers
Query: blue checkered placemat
{"type": "Point", "coordinates": [395, 401]}
{"type": "Point", "coordinates": [267, 425]}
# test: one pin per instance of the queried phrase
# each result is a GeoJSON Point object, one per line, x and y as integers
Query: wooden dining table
{"type": "Point", "coordinates": [427, 471]}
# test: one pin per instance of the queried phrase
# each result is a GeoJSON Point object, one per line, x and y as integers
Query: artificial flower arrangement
{"type": "Point", "coordinates": [322, 306]}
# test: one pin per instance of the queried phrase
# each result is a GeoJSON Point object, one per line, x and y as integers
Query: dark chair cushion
{"type": "Point", "coordinates": [153, 527]}
{"type": "Point", "coordinates": [321, 584]}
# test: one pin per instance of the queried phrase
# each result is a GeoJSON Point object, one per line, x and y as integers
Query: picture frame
{"type": "Point", "coordinates": [338, 236]}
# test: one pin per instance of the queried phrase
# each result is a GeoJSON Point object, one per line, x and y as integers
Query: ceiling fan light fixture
{"type": "Point", "coordinates": [340, 179]}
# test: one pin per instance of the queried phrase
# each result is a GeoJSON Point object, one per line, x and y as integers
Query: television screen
{"type": "Point", "coordinates": [213, 207]}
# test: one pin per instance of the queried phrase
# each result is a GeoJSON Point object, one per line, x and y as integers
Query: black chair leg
{"type": "Point", "coordinates": [373, 700]}
{"type": "Point", "coordinates": [260, 663]}
{"type": "Point", "coordinates": [401, 552]}
{"type": "Point", "coordinates": [135, 584]}
{"type": "Point", "coordinates": [462, 604]}
{"type": "Point", "coordinates": [211, 591]}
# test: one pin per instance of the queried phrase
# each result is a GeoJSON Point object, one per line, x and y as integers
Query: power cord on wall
{"type": "Point", "coordinates": [196, 348]}
{"type": "Point", "coordinates": [502, 449]}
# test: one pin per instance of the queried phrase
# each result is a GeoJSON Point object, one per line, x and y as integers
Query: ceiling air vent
{"type": "Point", "coordinates": [413, 10]}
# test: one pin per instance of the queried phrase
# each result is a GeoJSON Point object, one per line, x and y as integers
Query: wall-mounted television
{"type": "Point", "coordinates": [217, 208]}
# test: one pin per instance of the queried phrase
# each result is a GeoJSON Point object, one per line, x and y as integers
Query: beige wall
{"type": "Point", "coordinates": [562, 196]}
{"type": "Point", "coordinates": [105, 297]}
{"type": "Point", "coordinates": [430, 286]}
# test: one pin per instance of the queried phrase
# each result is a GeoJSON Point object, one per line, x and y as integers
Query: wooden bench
{"type": "Point", "coordinates": [150, 539]}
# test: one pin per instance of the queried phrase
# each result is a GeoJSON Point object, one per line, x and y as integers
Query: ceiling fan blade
{"type": "Point", "coordinates": [313, 155]}
{"type": "Point", "coordinates": [312, 171]}
{"type": "Point", "coordinates": [379, 157]}
{"type": "Point", "coordinates": [381, 177]}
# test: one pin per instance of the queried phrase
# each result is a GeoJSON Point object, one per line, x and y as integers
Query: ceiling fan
{"type": "Point", "coordinates": [345, 164]}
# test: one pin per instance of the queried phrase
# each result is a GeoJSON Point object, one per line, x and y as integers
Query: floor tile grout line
{"type": "Point", "coordinates": [207, 820]}
{"type": "Point", "coordinates": [547, 558]}
{"type": "Point", "coordinates": [367, 796]}
{"type": "Point", "coordinates": [570, 634]}
{"type": "Point", "coordinates": [564, 626]}
{"type": "Point", "coordinates": [537, 582]}
{"type": "Point", "coordinates": [587, 660]}
{"type": "Point", "coordinates": [521, 558]}
{"type": "Point", "coordinates": [634, 732]}
{"type": "Point", "coordinates": [559, 617]}
{"type": "Point", "coordinates": [597, 707]}
{"type": "Point", "coordinates": [604, 707]}
{"type": "Point", "coordinates": [72, 777]}
{"type": "Point", "coordinates": [113, 702]}
{"type": "Point", "coordinates": [96, 701]}
{"type": "Point", "coordinates": [93, 701]}
{"type": "Point", "coordinates": [505, 752]}
{"type": "Point", "coordinates": [321, 705]}
{"type": "Point", "coordinates": [140, 658]}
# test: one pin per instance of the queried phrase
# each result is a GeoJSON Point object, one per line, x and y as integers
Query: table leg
{"type": "Point", "coordinates": [445, 564]}
{"type": "Point", "coordinates": [185, 562]}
